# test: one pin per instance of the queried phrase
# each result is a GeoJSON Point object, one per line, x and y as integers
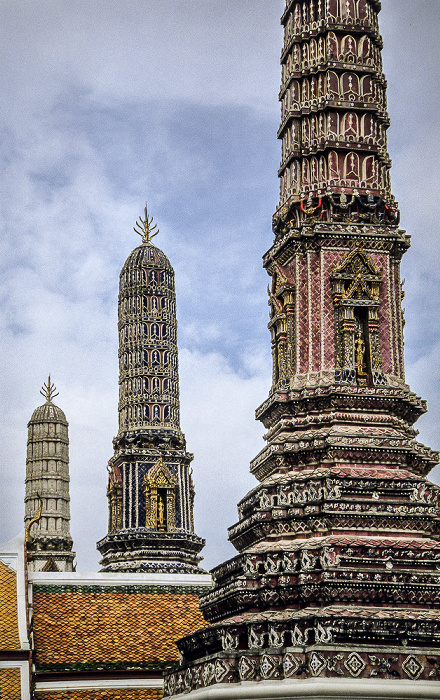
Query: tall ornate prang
{"type": "Point", "coordinates": [150, 488]}
{"type": "Point", "coordinates": [335, 590]}
{"type": "Point", "coordinates": [47, 501]}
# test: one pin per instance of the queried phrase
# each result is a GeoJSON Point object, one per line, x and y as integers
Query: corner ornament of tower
{"type": "Point", "coordinates": [27, 536]}
{"type": "Point", "coordinates": [144, 229]}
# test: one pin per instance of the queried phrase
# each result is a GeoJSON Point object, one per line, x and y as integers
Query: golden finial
{"type": "Point", "coordinates": [144, 228]}
{"type": "Point", "coordinates": [48, 391]}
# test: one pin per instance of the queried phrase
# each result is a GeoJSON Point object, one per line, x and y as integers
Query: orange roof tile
{"type": "Point", "coordinates": [99, 628]}
{"type": "Point", "coordinates": [9, 638]}
{"type": "Point", "coordinates": [10, 684]}
{"type": "Point", "coordinates": [107, 694]}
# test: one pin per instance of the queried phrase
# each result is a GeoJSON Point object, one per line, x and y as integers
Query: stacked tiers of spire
{"type": "Point", "coordinates": [334, 162]}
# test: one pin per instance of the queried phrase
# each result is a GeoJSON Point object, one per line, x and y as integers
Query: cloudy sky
{"type": "Point", "coordinates": [107, 103]}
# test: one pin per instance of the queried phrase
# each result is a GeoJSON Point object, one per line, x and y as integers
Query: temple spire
{"type": "Point", "coordinates": [47, 499]}
{"type": "Point", "coordinates": [150, 490]}
{"type": "Point", "coordinates": [329, 593]}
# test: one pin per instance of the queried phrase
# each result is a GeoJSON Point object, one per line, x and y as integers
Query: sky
{"type": "Point", "coordinates": [108, 103]}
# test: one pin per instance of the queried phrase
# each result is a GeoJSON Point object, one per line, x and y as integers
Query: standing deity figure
{"type": "Point", "coordinates": [161, 512]}
{"type": "Point", "coordinates": [360, 365]}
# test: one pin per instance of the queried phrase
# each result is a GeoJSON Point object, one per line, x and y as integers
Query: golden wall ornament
{"type": "Point", "coordinates": [160, 498]}
{"type": "Point", "coordinates": [356, 287]}
{"type": "Point", "coordinates": [114, 495]}
{"type": "Point", "coordinates": [34, 520]}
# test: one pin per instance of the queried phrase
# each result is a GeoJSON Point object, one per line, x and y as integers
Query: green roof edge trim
{"type": "Point", "coordinates": [96, 666]}
{"type": "Point", "coordinates": [125, 589]}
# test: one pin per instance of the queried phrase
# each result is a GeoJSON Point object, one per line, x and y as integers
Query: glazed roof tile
{"type": "Point", "coordinates": [97, 628]}
{"type": "Point", "coordinates": [10, 684]}
{"type": "Point", "coordinates": [9, 637]}
{"type": "Point", "coordinates": [107, 694]}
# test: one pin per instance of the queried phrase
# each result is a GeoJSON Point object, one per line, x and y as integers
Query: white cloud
{"type": "Point", "coordinates": [218, 409]}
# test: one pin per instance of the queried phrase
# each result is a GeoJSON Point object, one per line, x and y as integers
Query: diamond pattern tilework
{"type": "Point", "coordinates": [208, 674]}
{"type": "Point", "coordinates": [9, 638]}
{"type": "Point", "coordinates": [78, 629]}
{"type": "Point", "coordinates": [413, 667]}
{"type": "Point", "coordinates": [317, 663]}
{"type": "Point", "coordinates": [245, 668]}
{"type": "Point", "coordinates": [108, 694]}
{"type": "Point", "coordinates": [221, 670]}
{"type": "Point", "coordinates": [10, 684]}
{"type": "Point", "coordinates": [290, 665]}
{"type": "Point", "coordinates": [267, 667]}
{"type": "Point", "coordinates": [354, 664]}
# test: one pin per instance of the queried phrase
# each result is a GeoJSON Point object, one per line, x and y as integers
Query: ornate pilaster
{"type": "Point", "coordinates": [47, 500]}
{"type": "Point", "coordinates": [151, 526]}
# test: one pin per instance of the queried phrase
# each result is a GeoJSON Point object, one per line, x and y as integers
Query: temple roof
{"type": "Point", "coordinates": [135, 693]}
{"type": "Point", "coordinates": [111, 628]}
{"type": "Point", "coordinates": [9, 637]}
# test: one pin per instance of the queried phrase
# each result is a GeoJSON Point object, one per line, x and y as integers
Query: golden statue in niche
{"type": "Point", "coordinates": [356, 294]}
{"type": "Point", "coordinates": [160, 512]}
{"type": "Point", "coordinates": [160, 498]}
{"type": "Point", "coordinates": [360, 365]}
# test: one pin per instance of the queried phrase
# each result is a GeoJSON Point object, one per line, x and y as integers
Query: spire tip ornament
{"type": "Point", "coordinates": [144, 228]}
{"type": "Point", "coordinates": [48, 390]}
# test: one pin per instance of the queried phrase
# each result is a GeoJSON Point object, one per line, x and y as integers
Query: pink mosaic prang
{"type": "Point", "coordinates": [337, 571]}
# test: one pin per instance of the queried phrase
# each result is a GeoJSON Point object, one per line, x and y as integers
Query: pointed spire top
{"type": "Point", "coordinates": [48, 391]}
{"type": "Point", "coordinates": [144, 228]}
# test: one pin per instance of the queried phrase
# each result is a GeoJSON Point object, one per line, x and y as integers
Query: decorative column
{"type": "Point", "coordinates": [335, 589]}
{"type": "Point", "coordinates": [47, 500]}
{"type": "Point", "coordinates": [151, 526]}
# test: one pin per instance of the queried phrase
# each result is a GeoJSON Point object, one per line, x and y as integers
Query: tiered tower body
{"type": "Point", "coordinates": [337, 578]}
{"type": "Point", "coordinates": [47, 500]}
{"type": "Point", "coordinates": [150, 490]}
